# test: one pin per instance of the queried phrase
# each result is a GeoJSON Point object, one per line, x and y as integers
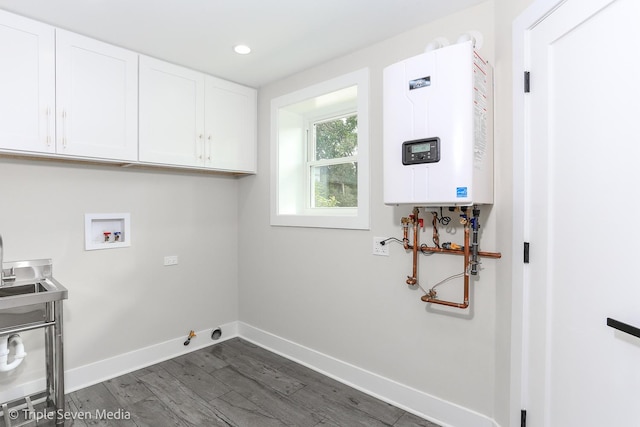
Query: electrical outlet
{"type": "Point", "coordinates": [379, 248]}
{"type": "Point", "coordinates": [171, 260]}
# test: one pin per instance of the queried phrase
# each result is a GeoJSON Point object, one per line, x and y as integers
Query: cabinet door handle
{"type": "Point", "coordinates": [64, 129]}
{"type": "Point", "coordinates": [48, 126]}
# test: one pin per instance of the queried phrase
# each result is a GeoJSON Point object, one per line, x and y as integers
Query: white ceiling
{"type": "Point", "coordinates": [286, 36]}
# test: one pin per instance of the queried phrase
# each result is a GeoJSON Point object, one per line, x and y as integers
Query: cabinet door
{"type": "Point", "coordinates": [230, 126]}
{"type": "Point", "coordinates": [97, 98]}
{"type": "Point", "coordinates": [27, 86]}
{"type": "Point", "coordinates": [171, 114]}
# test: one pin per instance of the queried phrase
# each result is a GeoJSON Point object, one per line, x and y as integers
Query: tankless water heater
{"type": "Point", "coordinates": [438, 129]}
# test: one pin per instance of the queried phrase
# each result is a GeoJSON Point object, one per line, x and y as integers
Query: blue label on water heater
{"type": "Point", "coordinates": [461, 192]}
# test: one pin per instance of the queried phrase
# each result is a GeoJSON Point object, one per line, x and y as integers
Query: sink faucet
{"type": "Point", "coordinates": [4, 278]}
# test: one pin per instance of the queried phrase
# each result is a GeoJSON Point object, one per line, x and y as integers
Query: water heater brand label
{"type": "Point", "coordinates": [421, 82]}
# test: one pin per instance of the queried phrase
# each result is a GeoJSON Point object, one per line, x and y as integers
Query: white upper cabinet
{"type": "Point", "coordinates": [192, 119]}
{"type": "Point", "coordinates": [171, 114]}
{"type": "Point", "coordinates": [63, 95]}
{"type": "Point", "coordinates": [230, 126]}
{"type": "Point", "coordinates": [27, 87]}
{"type": "Point", "coordinates": [96, 99]}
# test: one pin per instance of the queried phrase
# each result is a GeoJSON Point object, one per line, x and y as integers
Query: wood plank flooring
{"type": "Point", "coordinates": [233, 383]}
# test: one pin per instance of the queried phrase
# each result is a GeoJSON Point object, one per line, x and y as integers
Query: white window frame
{"type": "Point", "coordinates": [290, 157]}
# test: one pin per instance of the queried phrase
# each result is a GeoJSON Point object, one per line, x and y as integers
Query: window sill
{"type": "Point", "coordinates": [351, 222]}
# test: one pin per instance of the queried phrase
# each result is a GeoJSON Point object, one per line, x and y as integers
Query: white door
{"type": "Point", "coordinates": [171, 114]}
{"type": "Point", "coordinates": [583, 158]}
{"type": "Point", "coordinates": [97, 98]}
{"type": "Point", "coordinates": [230, 126]}
{"type": "Point", "coordinates": [27, 86]}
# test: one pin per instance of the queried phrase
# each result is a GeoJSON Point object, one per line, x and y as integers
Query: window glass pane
{"type": "Point", "coordinates": [336, 138]}
{"type": "Point", "coordinates": [335, 186]}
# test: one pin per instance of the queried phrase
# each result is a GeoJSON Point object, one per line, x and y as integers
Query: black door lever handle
{"type": "Point", "coordinates": [631, 330]}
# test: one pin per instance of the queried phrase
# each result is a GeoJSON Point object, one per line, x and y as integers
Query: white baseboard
{"type": "Point", "coordinates": [424, 405]}
{"type": "Point", "coordinates": [103, 370]}
{"type": "Point", "coordinates": [93, 373]}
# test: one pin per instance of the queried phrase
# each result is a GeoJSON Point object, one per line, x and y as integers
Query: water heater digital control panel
{"type": "Point", "coordinates": [421, 151]}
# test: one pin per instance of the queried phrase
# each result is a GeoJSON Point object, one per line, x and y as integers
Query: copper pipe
{"type": "Point", "coordinates": [460, 252]}
{"type": "Point", "coordinates": [412, 280]}
{"type": "Point", "coordinates": [405, 232]}
{"type": "Point", "coordinates": [426, 298]}
{"type": "Point", "coordinates": [465, 303]}
{"type": "Point", "coordinates": [434, 224]}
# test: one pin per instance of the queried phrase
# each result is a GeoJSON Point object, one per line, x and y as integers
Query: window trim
{"type": "Point", "coordinates": [303, 215]}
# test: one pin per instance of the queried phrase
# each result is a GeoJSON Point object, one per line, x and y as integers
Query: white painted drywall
{"type": "Point", "coordinates": [323, 289]}
{"type": "Point", "coordinates": [122, 300]}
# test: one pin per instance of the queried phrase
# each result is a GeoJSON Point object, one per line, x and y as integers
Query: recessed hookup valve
{"type": "Point", "coordinates": [191, 335]}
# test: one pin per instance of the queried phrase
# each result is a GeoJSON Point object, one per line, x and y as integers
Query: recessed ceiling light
{"type": "Point", "coordinates": [242, 49]}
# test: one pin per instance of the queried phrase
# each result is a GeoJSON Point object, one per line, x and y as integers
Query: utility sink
{"type": "Point", "coordinates": [27, 288]}
{"type": "Point", "coordinates": [30, 298]}
{"type": "Point", "coordinates": [20, 294]}
{"type": "Point", "coordinates": [31, 288]}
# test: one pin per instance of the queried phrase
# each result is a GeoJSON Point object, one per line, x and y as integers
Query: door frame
{"type": "Point", "coordinates": [521, 29]}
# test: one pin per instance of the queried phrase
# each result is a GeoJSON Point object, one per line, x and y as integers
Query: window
{"type": "Point", "coordinates": [333, 167]}
{"type": "Point", "coordinates": [320, 174]}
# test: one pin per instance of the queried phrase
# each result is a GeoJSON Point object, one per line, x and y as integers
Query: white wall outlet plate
{"type": "Point", "coordinates": [171, 260]}
{"type": "Point", "coordinates": [380, 248]}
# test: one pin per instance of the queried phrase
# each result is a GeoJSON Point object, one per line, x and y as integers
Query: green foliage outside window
{"type": "Point", "coordinates": [336, 185]}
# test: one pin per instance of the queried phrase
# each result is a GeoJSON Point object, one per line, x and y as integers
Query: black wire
{"type": "Point", "coordinates": [384, 242]}
{"type": "Point", "coordinates": [424, 249]}
{"type": "Point", "coordinates": [444, 220]}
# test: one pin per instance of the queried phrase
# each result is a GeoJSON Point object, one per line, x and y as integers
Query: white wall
{"type": "Point", "coordinates": [323, 289]}
{"type": "Point", "coordinates": [122, 300]}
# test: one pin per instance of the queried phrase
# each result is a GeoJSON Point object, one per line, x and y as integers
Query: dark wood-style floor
{"type": "Point", "coordinates": [233, 383]}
